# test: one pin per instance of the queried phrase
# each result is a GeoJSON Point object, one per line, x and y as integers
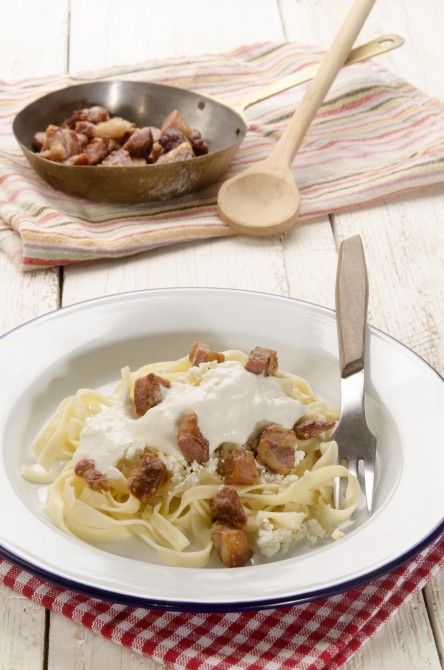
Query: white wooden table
{"type": "Point", "coordinates": [403, 240]}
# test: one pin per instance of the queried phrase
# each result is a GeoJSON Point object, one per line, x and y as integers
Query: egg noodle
{"type": "Point", "coordinates": [176, 522]}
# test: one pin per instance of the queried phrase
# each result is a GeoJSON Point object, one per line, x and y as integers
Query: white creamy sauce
{"type": "Point", "coordinates": [231, 404]}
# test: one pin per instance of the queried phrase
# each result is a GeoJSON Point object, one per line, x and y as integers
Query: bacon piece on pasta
{"type": "Point", "coordinates": [227, 507]}
{"type": "Point", "coordinates": [202, 353]}
{"type": "Point", "coordinates": [262, 361]}
{"type": "Point", "coordinates": [148, 393]}
{"type": "Point", "coordinates": [240, 468]}
{"type": "Point", "coordinates": [231, 545]}
{"type": "Point", "coordinates": [276, 449]}
{"type": "Point", "coordinates": [147, 477]}
{"type": "Point", "coordinates": [191, 442]}
{"type": "Point", "coordinates": [307, 429]}
{"type": "Point", "coordinates": [96, 480]}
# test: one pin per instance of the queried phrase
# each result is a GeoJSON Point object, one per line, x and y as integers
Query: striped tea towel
{"type": "Point", "coordinates": [375, 136]}
{"type": "Point", "coordinates": [320, 635]}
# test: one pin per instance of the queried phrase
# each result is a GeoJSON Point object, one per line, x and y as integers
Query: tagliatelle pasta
{"type": "Point", "coordinates": [96, 451]}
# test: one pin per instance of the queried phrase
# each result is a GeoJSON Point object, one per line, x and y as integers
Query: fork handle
{"type": "Point", "coordinates": [351, 305]}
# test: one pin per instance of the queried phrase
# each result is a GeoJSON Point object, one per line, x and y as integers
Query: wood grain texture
{"type": "Point", "coordinates": [74, 647]}
{"type": "Point", "coordinates": [163, 29]}
{"type": "Point", "coordinates": [22, 638]}
{"type": "Point", "coordinates": [405, 642]}
{"type": "Point", "coordinates": [25, 296]}
{"type": "Point", "coordinates": [434, 597]}
{"type": "Point", "coordinates": [34, 39]}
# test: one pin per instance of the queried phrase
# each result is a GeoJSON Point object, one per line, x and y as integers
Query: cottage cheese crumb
{"type": "Point", "coordinates": [273, 540]}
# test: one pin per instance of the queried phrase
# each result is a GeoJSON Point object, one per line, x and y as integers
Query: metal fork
{"type": "Point", "coordinates": [355, 441]}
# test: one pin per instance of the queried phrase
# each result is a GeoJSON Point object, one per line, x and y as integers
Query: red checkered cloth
{"type": "Point", "coordinates": [320, 635]}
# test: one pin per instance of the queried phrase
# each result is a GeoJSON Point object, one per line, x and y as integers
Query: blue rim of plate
{"type": "Point", "coordinates": [198, 607]}
{"type": "Point", "coordinates": [202, 607]}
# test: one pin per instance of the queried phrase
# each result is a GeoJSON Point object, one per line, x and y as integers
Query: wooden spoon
{"type": "Point", "coordinates": [264, 199]}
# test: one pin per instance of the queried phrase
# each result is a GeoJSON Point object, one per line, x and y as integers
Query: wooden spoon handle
{"type": "Point", "coordinates": [351, 305]}
{"type": "Point", "coordinates": [285, 150]}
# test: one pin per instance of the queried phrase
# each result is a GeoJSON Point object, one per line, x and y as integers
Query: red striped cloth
{"type": "Point", "coordinates": [320, 635]}
{"type": "Point", "coordinates": [375, 136]}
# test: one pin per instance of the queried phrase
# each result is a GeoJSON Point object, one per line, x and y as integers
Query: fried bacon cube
{"type": "Point", "coordinates": [86, 468]}
{"type": "Point", "coordinates": [276, 449]}
{"type": "Point", "coordinates": [307, 429]}
{"type": "Point", "coordinates": [227, 507]}
{"type": "Point", "coordinates": [148, 393]}
{"type": "Point", "coordinates": [240, 467]}
{"type": "Point", "coordinates": [147, 477]}
{"type": "Point", "coordinates": [61, 144]}
{"type": "Point", "coordinates": [231, 545]}
{"type": "Point", "coordinates": [183, 152]}
{"type": "Point", "coordinates": [140, 143]}
{"type": "Point", "coordinates": [119, 158]}
{"type": "Point", "coordinates": [94, 115]}
{"type": "Point", "coordinates": [262, 361]}
{"type": "Point", "coordinates": [191, 442]}
{"type": "Point", "coordinates": [176, 121]}
{"type": "Point", "coordinates": [202, 353]}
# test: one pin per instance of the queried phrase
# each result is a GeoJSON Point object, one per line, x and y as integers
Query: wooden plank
{"type": "Point", "coordinates": [405, 272]}
{"type": "Point", "coordinates": [310, 262]}
{"type": "Point", "coordinates": [26, 296]}
{"type": "Point", "coordinates": [406, 642]}
{"type": "Point", "coordinates": [406, 295]}
{"type": "Point", "coordinates": [29, 294]}
{"type": "Point", "coordinates": [401, 237]}
{"type": "Point", "coordinates": [33, 39]}
{"type": "Point", "coordinates": [165, 29]}
{"type": "Point", "coordinates": [22, 638]}
{"type": "Point", "coordinates": [73, 646]}
{"type": "Point", "coordinates": [434, 595]}
{"type": "Point", "coordinates": [249, 264]}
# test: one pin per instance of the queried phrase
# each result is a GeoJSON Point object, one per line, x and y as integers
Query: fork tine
{"type": "Point", "coordinates": [352, 466]}
{"type": "Point", "coordinates": [369, 479]}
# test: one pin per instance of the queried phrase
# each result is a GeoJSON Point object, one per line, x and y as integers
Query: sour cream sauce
{"type": "Point", "coordinates": [231, 404]}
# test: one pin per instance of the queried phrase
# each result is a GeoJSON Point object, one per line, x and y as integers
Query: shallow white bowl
{"type": "Point", "coordinates": [87, 345]}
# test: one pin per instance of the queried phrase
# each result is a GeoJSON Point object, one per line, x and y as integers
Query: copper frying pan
{"type": "Point", "coordinates": [222, 126]}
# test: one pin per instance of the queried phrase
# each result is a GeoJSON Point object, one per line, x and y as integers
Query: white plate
{"type": "Point", "coordinates": [87, 344]}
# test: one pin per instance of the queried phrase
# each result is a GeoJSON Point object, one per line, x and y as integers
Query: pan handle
{"type": "Point", "coordinates": [367, 50]}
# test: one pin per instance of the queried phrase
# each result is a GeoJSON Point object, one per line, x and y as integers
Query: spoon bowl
{"type": "Point", "coordinates": [274, 194]}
